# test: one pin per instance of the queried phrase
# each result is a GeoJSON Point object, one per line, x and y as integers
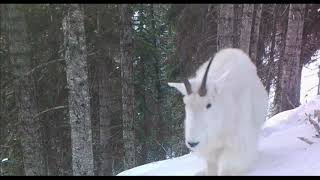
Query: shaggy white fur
{"type": "Point", "coordinates": [224, 125]}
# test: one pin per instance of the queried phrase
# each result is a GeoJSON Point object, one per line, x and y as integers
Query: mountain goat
{"type": "Point", "coordinates": [225, 107]}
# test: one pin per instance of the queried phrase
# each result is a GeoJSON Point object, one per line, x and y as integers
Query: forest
{"type": "Point", "coordinates": [84, 87]}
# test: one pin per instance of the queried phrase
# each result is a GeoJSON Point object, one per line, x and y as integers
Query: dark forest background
{"type": "Point", "coordinates": [83, 87]}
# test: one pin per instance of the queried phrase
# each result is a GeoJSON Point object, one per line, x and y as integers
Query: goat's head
{"type": "Point", "coordinates": [201, 108]}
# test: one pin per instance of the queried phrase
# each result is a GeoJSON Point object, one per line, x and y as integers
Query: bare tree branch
{"type": "Point", "coordinates": [305, 140]}
{"type": "Point", "coordinates": [50, 109]}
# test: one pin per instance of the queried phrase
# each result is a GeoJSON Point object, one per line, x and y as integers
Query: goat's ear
{"type": "Point", "coordinates": [179, 86]}
{"type": "Point", "coordinates": [221, 82]}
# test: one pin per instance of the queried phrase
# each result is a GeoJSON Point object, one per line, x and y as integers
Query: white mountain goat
{"type": "Point", "coordinates": [225, 106]}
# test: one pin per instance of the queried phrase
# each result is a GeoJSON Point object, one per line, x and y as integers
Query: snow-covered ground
{"type": "Point", "coordinates": [310, 79]}
{"type": "Point", "coordinates": [281, 150]}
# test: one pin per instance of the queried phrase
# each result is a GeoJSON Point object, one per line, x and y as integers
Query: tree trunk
{"type": "Point", "coordinates": [291, 59]}
{"type": "Point", "coordinates": [126, 59]}
{"type": "Point", "coordinates": [158, 117]}
{"type": "Point", "coordinates": [272, 50]}
{"type": "Point", "coordinates": [298, 84]}
{"type": "Point", "coordinates": [104, 91]}
{"type": "Point", "coordinates": [318, 93]}
{"type": "Point", "coordinates": [94, 113]}
{"type": "Point", "coordinates": [255, 32]}
{"type": "Point", "coordinates": [281, 26]}
{"type": "Point", "coordinates": [225, 26]}
{"type": "Point", "coordinates": [30, 126]}
{"type": "Point", "coordinates": [143, 107]}
{"type": "Point", "coordinates": [246, 24]}
{"type": "Point", "coordinates": [79, 101]}
{"type": "Point", "coordinates": [93, 11]}
{"type": "Point", "coordinates": [57, 133]}
{"type": "Point", "coordinates": [2, 47]}
{"type": "Point", "coordinates": [238, 12]}
{"type": "Point", "coordinates": [100, 70]}
{"type": "Point", "coordinates": [146, 123]}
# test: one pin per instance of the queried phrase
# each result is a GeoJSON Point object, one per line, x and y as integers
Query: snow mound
{"type": "Point", "coordinates": [282, 152]}
{"type": "Point", "coordinates": [294, 117]}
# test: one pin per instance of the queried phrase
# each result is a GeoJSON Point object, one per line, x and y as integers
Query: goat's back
{"type": "Point", "coordinates": [242, 71]}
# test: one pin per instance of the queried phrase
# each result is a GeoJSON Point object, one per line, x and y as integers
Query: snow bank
{"type": "Point", "coordinates": [281, 151]}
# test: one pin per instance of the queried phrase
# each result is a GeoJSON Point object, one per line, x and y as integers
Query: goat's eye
{"type": "Point", "coordinates": [208, 106]}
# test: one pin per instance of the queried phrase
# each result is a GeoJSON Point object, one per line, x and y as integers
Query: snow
{"type": "Point", "coordinates": [281, 152]}
{"type": "Point", "coordinates": [4, 160]}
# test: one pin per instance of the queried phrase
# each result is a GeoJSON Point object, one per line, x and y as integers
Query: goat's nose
{"type": "Point", "coordinates": [193, 144]}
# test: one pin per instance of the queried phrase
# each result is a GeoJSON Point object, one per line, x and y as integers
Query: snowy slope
{"type": "Point", "coordinates": [281, 152]}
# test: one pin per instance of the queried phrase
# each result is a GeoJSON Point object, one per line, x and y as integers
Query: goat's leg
{"type": "Point", "coordinates": [212, 168]}
{"type": "Point", "coordinates": [212, 163]}
{"type": "Point", "coordinates": [234, 163]}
